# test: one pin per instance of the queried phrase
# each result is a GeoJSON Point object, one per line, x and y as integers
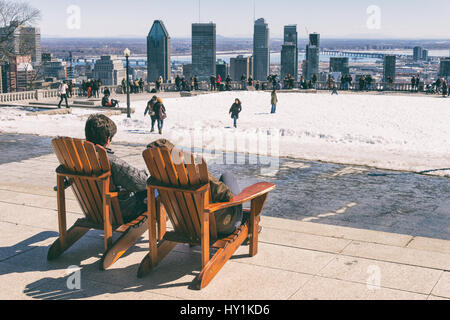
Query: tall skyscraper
{"type": "Point", "coordinates": [203, 50]}
{"type": "Point", "coordinates": [23, 40]}
{"type": "Point", "coordinates": [444, 69]}
{"type": "Point", "coordinates": [261, 51]}
{"type": "Point", "coordinates": [158, 52]}
{"type": "Point", "coordinates": [389, 68]}
{"type": "Point", "coordinates": [417, 53]}
{"type": "Point", "coordinates": [424, 54]}
{"type": "Point", "coordinates": [312, 56]}
{"type": "Point", "coordinates": [289, 52]}
{"type": "Point", "coordinates": [240, 66]}
{"type": "Point", "coordinates": [339, 64]}
{"type": "Point", "coordinates": [314, 39]}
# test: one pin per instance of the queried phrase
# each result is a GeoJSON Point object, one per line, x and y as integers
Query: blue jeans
{"type": "Point", "coordinates": [274, 108]}
{"type": "Point", "coordinates": [63, 97]}
{"type": "Point", "coordinates": [160, 124]}
{"type": "Point", "coordinates": [235, 118]}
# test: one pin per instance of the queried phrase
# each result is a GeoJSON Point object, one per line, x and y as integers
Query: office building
{"type": "Point", "coordinates": [444, 69]}
{"type": "Point", "coordinates": [417, 53]}
{"type": "Point", "coordinates": [187, 71]}
{"type": "Point", "coordinates": [158, 53]}
{"type": "Point", "coordinates": [109, 70]}
{"type": "Point", "coordinates": [53, 68]}
{"type": "Point", "coordinates": [222, 69]}
{"type": "Point", "coordinates": [18, 74]}
{"type": "Point", "coordinates": [339, 64]}
{"type": "Point", "coordinates": [314, 39]}
{"type": "Point", "coordinates": [23, 40]}
{"type": "Point", "coordinates": [389, 68]}
{"type": "Point", "coordinates": [424, 55]}
{"type": "Point", "coordinates": [261, 51]}
{"type": "Point", "coordinates": [241, 66]}
{"type": "Point", "coordinates": [289, 52]}
{"type": "Point", "coordinates": [312, 57]}
{"type": "Point", "coordinates": [203, 50]}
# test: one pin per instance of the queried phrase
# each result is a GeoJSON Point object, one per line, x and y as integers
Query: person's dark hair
{"type": "Point", "coordinates": [99, 128]}
{"type": "Point", "coordinates": [239, 101]}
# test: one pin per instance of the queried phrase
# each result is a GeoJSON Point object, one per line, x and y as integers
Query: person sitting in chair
{"type": "Point", "coordinates": [222, 190]}
{"type": "Point", "coordinates": [130, 182]}
{"type": "Point", "coordinates": [109, 104]}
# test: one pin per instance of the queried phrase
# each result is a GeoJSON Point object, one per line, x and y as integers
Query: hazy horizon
{"type": "Point", "coordinates": [400, 19]}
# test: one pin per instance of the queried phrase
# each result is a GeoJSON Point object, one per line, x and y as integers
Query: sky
{"type": "Point", "coordinates": [407, 19]}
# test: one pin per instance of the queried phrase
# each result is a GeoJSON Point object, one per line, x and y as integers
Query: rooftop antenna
{"type": "Point", "coordinates": [254, 10]}
{"type": "Point", "coordinates": [307, 35]}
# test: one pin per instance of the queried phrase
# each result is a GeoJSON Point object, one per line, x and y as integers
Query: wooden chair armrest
{"type": "Point", "coordinates": [67, 184]}
{"type": "Point", "coordinates": [112, 195]}
{"type": "Point", "coordinates": [247, 195]}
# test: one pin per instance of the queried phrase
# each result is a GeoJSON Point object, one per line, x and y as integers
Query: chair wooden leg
{"type": "Point", "coordinates": [73, 235]}
{"type": "Point", "coordinates": [218, 261]}
{"type": "Point", "coordinates": [107, 215]}
{"type": "Point", "coordinates": [256, 209]}
{"type": "Point", "coordinates": [147, 264]}
{"type": "Point", "coordinates": [205, 239]}
{"type": "Point", "coordinates": [126, 241]}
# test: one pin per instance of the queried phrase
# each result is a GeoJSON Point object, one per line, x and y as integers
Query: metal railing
{"type": "Point", "coordinates": [42, 94]}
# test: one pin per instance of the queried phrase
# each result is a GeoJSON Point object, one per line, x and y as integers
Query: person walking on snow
{"type": "Point", "coordinates": [62, 91]}
{"type": "Point", "coordinates": [274, 101]}
{"type": "Point", "coordinates": [150, 111]}
{"type": "Point", "coordinates": [235, 110]}
{"type": "Point", "coordinates": [160, 113]}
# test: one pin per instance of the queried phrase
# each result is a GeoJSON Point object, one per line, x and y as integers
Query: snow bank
{"type": "Point", "coordinates": [393, 132]}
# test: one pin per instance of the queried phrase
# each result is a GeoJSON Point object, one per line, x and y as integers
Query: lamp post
{"type": "Point", "coordinates": [127, 55]}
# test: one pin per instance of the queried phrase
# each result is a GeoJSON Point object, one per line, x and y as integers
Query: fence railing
{"type": "Point", "coordinates": [206, 86]}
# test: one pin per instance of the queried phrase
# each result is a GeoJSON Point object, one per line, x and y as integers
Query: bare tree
{"type": "Point", "coordinates": [13, 16]}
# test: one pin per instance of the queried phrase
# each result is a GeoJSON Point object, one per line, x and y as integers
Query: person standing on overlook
{"type": "Point", "coordinates": [235, 110]}
{"type": "Point", "coordinates": [62, 92]}
{"type": "Point", "coordinates": [274, 101]}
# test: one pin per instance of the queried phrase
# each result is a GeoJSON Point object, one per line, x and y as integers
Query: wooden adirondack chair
{"type": "Point", "coordinates": [87, 170]}
{"type": "Point", "coordinates": [185, 193]}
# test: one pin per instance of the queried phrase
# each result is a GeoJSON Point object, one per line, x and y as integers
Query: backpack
{"type": "Point", "coordinates": [162, 113]}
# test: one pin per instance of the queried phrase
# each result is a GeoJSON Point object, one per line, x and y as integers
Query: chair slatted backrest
{"type": "Point", "coordinates": [184, 209]}
{"type": "Point", "coordinates": [83, 158]}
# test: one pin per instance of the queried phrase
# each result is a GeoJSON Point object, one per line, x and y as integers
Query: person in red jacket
{"type": "Point", "coordinates": [219, 81]}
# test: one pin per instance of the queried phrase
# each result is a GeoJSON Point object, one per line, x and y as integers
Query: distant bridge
{"type": "Point", "coordinates": [373, 55]}
{"type": "Point", "coordinates": [353, 54]}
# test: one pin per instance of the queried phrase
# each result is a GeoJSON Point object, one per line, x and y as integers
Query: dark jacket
{"type": "Point", "coordinates": [235, 110]}
{"type": "Point", "coordinates": [105, 101]}
{"type": "Point", "coordinates": [131, 183]}
{"type": "Point", "coordinates": [149, 108]}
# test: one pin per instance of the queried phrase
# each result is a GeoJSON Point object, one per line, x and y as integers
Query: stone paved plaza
{"type": "Point", "coordinates": [297, 260]}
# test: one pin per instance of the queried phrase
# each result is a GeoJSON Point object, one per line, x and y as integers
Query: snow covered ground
{"type": "Point", "coordinates": [392, 132]}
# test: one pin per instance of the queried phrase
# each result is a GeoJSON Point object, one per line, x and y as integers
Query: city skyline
{"type": "Point", "coordinates": [401, 19]}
